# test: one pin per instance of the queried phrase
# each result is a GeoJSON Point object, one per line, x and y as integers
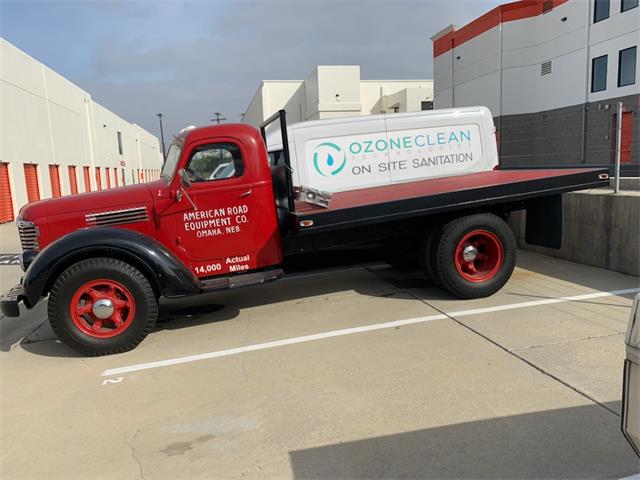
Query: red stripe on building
{"type": "Point", "coordinates": [504, 13]}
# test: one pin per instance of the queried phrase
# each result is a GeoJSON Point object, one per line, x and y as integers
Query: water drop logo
{"type": "Point", "coordinates": [329, 159]}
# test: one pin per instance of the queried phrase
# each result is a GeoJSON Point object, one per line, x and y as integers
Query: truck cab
{"type": "Point", "coordinates": [216, 188]}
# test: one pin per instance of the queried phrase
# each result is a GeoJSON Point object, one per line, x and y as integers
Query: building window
{"type": "Point", "coordinates": [599, 74]}
{"type": "Point", "coordinates": [601, 10]}
{"type": "Point", "coordinates": [628, 5]}
{"type": "Point", "coordinates": [119, 142]}
{"type": "Point", "coordinates": [627, 67]}
{"type": "Point", "coordinates": [426, 105]}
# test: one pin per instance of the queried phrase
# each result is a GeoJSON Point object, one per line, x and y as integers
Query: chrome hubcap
{"type": "Point", "coordinates": [470, 253]}
{"type": "Point", "coordinates": [103, 308]}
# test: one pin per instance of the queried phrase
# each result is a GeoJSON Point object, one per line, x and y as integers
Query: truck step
{"type": "Point", "coordinates": [240, 280]}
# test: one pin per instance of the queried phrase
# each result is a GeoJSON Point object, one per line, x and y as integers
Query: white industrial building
{"type": "Point", "coordinates": [55, 140]}
{"type": "Point", "coordinates": [551, 72]}
{"type": "Point", "coordinates": [337, 91]}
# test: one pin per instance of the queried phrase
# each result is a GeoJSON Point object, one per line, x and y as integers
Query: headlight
{"type": "Point", "coordinates": [633, 330]}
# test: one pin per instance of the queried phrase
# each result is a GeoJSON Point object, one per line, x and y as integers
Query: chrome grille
{"type": "Point", "coordinates": [117, 217]}
{"type": "Point", "coordinates": [28, 235]}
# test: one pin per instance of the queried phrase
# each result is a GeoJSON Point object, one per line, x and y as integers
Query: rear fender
{"type": "Point", "coordinates": [166, 273]}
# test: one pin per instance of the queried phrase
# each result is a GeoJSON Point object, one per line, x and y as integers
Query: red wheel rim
{"type": "Point", "coordinates": [102, 308]}
{"type": "Point", "coordinates": [479, 256]}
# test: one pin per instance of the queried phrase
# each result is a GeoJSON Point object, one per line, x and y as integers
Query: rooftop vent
{"type": "Point", "coordinates": [545, 68]}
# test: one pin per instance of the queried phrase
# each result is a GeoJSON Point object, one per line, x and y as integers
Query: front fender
{"type": "Point", "coordinates": [165, 271]}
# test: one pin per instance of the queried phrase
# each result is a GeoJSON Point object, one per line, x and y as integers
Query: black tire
{"type": "Point", "coordinates": [428, 252]}
{"type": "Point", "coordinates": [499, 235]}
{"type": "Point", "coordinates": [75, 278]}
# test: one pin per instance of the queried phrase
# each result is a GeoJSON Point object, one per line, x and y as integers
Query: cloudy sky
{"type": "Point", "coordinates": [188, 59]}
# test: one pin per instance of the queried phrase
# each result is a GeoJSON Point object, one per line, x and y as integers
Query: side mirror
{"type": "Point", "coordinates": [185, 181]}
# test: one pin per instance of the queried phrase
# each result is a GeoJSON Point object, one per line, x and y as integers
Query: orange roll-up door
{"type": "Point", "coordinates": [31, 182]}
{"type": "Point", "coordinates": [73, 181]}
{"type": "Point", "coordinates": [98, 179]}
{"type": "Point", "coordinates": [6, 202]}
{"type": "Point", "coordinates": [626, 138]}
{"type": "Point", "coordinates": [54, 176]}
{"type": "Point", "coordinates": [87, 179]}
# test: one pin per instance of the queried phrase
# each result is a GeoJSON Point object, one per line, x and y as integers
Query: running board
{"type": "Point", "coordinates": [240, 280]}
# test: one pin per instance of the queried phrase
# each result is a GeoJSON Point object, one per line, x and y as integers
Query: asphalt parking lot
{"type": "Point", "coordinates": [352, 371]}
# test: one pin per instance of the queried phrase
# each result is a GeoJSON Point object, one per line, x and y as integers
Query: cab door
{"type": "Point", "coordinates": [228, 231]}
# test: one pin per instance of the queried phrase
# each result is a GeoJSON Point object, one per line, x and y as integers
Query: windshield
{"type": "Point", "coordinates": [173, 155]}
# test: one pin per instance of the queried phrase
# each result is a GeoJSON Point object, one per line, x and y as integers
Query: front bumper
{"type": "Point", "coordinates": [10, 302]}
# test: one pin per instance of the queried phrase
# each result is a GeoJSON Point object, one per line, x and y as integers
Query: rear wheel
{"type": "Point", "coordinates": [102, 306]}
{"type": "Point", "coordinates": [475, 255]}
{"type": "Point", "coordinates": [428, 254]}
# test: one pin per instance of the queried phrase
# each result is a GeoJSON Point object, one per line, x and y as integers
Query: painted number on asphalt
{"type": "Point", "coordinates": [9, 259]}
{"type": "Point", "coordinates": [112, 380]}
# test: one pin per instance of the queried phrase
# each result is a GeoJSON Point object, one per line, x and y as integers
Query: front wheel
{"type": "Point", "coordinates": [475, 255]}
{"type": "Point", "coordinates": [102, 306]}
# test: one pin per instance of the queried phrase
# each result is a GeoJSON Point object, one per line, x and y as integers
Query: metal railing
{"type": "Point", "coordinates": [616, 184]}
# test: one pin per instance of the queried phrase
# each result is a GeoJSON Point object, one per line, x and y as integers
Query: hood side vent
{"type": "Point", "coordinates": [117, 217]}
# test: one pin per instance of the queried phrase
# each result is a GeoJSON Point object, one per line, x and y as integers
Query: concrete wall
{"type": "Point", "coordinates": [47, 120]}
{"type": "Point", "coordinates": [254, 113]}
{"type": "Point", "coordinates": [379, 96]}
{"type": "Point", "coordinates": [599, 229]}
{"type": "Point", "coordinates": [335, 91]}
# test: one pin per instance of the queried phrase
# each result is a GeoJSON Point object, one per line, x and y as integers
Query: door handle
{"type": "Point", "coordinates": [246, 194]}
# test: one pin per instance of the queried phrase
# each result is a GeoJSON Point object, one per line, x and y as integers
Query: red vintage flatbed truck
{"type": "Point", "coordinates": [105, 258]}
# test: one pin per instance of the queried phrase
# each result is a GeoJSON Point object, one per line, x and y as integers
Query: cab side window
{"type": "Point", "coordinates": [216, 161]}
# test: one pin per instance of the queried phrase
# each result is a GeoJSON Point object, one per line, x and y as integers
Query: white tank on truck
{"type": "Point", "coordinates": [350, 153]}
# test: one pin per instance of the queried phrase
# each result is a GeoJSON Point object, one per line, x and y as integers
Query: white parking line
{"type": "Point", "coordinates": [353, 330]}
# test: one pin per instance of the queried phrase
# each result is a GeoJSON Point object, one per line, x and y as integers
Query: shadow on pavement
{"type": "Point", "coordinates": [225, 305]}
{"type": "Point", "coordinates": [578, 442]}
{"type": "Point", "coordinates": [575, 273]}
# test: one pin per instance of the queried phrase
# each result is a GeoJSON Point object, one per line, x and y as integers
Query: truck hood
{"type": "Point", "coordinates": [87, 202]}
